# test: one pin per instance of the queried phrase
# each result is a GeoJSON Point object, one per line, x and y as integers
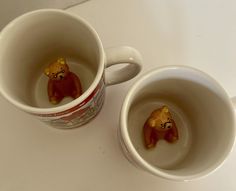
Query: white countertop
{"type": "Point", "coordinates": [199, 33]}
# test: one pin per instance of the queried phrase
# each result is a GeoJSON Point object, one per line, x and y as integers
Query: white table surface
{"type": "Point", "coordinates": [35, 157]}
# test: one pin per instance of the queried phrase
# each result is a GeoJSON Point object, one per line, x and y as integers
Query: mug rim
{"type": "Point", "coordinates": [92, 87]}
{"type": "Point", "coordinates": [137, 157]}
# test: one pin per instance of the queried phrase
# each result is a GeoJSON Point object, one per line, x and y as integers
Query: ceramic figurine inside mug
{"type": "Point", "coordinates": [160, 125]}
{"type": "Point", "coordinates": [62, 82]}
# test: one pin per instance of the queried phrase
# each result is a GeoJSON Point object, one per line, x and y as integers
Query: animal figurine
{"type": "Point", "coordinates": [62, 82]}
{"type": "Point", "coordinates": [159, 125]}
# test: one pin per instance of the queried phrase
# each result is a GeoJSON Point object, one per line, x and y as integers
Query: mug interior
{"type": "Point", "coordinates": [32, 41]}
{"type": "Point", "coordinates": [204, 118]}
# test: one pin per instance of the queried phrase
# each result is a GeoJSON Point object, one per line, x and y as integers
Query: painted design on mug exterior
{"type": "Point", "coordinates": [81, 113]}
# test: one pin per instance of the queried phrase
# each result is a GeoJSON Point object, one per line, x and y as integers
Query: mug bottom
{"type": "Point", "coordinates": [164, 155]}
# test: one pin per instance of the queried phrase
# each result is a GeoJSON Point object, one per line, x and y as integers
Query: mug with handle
{"type": "Point", "coordinates": [204, 115]}
{"type": "Point", "coordinates": [31, 41]}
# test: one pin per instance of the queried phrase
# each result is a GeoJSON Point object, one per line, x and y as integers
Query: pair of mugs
{"type": "Point", "coordinates": [203, 111]}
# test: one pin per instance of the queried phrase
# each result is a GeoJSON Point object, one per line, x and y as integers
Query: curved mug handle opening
{"type": "Point", "coordinates": [123, 55]}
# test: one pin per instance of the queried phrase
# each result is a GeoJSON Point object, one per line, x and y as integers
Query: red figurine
{"type": "Point", "coordinates": [159, 125]}
{"type": "Point", "coordinates": [61, 81]}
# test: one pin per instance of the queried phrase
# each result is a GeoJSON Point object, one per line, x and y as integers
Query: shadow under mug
{"type": "Point", "coordinates": [204, 116]}
{"type": "Point", "coordinates": [30, 42]}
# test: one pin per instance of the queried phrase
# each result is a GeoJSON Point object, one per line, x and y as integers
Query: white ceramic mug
{"type": "Point", "coordinates": [204, 115]}
{"type": "Point", "coordinates": [33, 40]}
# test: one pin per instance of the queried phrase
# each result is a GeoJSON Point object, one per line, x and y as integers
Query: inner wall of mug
{"type": "Point", "coordinates": [203, 118]}
{"type": "Point", "coordinates": [33, 41]}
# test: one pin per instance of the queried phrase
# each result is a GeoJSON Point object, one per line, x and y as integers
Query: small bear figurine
{"type": "Point", "coordinates": [61, 81]}
{"type": "Point", "coordinates": [159, 125]}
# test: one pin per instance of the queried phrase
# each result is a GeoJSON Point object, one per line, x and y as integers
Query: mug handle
{"type": "Point", "coordinates": [122, 55]}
